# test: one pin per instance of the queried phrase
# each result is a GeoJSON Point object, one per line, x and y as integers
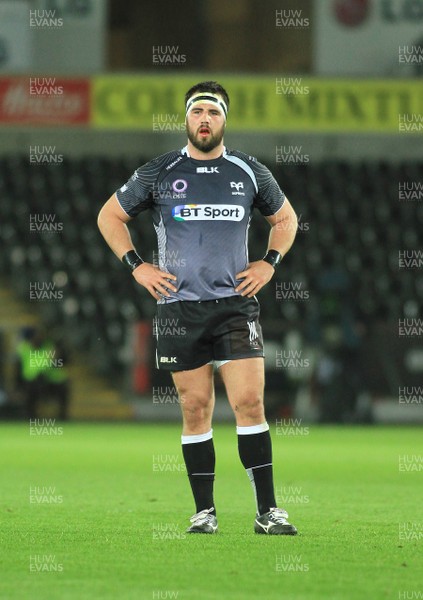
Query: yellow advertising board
{"type": "Point", "coordinates": [156, 103]}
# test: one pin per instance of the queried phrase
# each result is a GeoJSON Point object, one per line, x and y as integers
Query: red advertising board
{"type": "Point", "coordinates": [44, 101]}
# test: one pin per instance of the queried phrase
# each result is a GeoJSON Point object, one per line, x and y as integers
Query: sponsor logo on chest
{"type": "Point", "coordinates": [208, 212]}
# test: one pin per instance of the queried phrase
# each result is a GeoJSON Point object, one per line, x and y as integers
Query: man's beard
{"type": "Point", "coordinates": [205, 145]}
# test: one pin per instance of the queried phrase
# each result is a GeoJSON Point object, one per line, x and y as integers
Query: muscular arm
{"type": "Point", "coordinates": [112, 221]}
{"type": "Point", "coordinates": [284, 225]}
{"type": "Point", "coordinates": [283, 228]}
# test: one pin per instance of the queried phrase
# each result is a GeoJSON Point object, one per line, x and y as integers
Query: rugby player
{"type": "Point", "coordinates": [201, 199]}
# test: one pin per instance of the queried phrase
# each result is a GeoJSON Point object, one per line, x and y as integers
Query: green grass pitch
{"type": "Point", "coordinates": [100, 512]}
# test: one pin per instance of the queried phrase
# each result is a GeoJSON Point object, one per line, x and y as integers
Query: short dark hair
{"type": "Point", "coordinates": [208, 86]}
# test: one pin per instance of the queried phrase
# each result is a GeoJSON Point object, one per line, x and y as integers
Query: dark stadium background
{"type": "Point", "coordinates": [342, 316]}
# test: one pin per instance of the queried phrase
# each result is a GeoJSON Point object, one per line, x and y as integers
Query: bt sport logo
{"type": "Point", "coordinates": [208, 212]}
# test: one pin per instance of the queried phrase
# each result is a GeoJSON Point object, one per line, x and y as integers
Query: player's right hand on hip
{"type": "Point", "coordinates": [157, 282]}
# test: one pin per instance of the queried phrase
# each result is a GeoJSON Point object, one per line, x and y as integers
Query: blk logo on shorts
{"type": "Point", "coordinates": [168, 359]}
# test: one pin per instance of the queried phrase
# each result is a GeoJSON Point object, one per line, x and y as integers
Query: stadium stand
{"type": "Point", "coordinates": [350, 218]}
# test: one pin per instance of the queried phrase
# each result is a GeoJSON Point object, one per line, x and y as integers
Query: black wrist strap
{"type": "Point", "coordinates": [273, 258]}
{"type": "Point", "coordinates": [132, 259]}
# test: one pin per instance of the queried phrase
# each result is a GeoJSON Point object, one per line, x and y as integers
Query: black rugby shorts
{"type": "Point", "coordinates": [190, 334]}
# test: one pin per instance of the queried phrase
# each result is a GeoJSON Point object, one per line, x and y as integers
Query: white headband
{"type": "Point", "coordinates": [207, 97]}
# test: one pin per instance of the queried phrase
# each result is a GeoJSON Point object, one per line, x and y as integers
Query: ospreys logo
{"type": "Point", "coordinates": [253, 335]}
{"type": "Point", "coordinates": [208, 212]}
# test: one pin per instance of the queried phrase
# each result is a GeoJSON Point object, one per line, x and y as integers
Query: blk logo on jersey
{"type": "Point", "coordinates": [208, 212]}
{"type": "Point", "coordinates": [207, 170]}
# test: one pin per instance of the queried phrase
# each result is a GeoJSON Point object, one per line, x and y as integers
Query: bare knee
{"type": "Point", "coordinates": [197, 411]}
{"type": "Point", "coordinates": [249, 408]}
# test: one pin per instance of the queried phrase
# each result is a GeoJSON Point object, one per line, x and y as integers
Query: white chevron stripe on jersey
{"type": "Point", "coordinates": [243, 165]}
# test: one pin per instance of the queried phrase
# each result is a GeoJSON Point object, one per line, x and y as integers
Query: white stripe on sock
{"type": "Point", "coordinates": [252, 429]}
{"type": "Point", "coordinates": [194, 439]}
{"type": "Point", "coordinates": [253, 483]}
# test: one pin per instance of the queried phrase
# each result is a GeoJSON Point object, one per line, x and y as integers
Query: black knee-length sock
{"type": "Point", "coordinates": [199, 456]}
{"type": "Point", "coordinates": [255, 451]}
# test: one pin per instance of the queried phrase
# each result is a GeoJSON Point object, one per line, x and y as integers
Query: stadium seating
{"type": "Point", "coordinates": [351, 222]}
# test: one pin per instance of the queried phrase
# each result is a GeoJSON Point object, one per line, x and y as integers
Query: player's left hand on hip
{"type": "Point", "coordinates": [254, 278]}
